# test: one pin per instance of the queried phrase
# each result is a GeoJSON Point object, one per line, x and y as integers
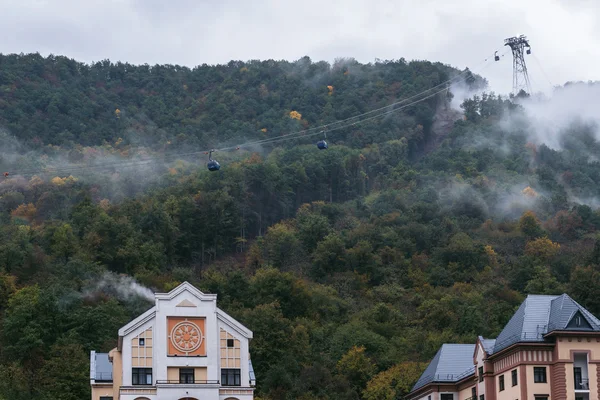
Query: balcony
{"type": "Point", "coordinates": [190, 382]}
{"type": "Point", "coordinates": [582, 384]}
{"type": "Point", "coordinates": [101, 377]}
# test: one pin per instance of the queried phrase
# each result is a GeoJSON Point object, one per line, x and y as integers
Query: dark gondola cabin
{"type": "Point", "coordinates": [322, 145]}
{"type": "Point", "coordinates": [213, 165]}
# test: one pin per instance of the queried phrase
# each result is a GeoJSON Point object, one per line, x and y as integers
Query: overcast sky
{"type": "Point", "coordinates": [564, 34]}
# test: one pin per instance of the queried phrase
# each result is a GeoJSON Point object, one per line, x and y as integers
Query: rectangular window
{"type": "Point", "coordinates": [539, 374]}
{"type": "Point", "coordinates": [141, 342]}
{"type": "Point", "coordinates": [186, 375]}
{"type": "Point", "coordinates": [230, 343]}
{"type": "Point", "coordinates": [480, 374]}
{"type": "Point", "coordinates": [501, 382]}
{"type": "Point", "coordinates": [106, 398]}
{"type": "Point", "coordinates": [513, 373]}
{"type": "Point", "coordinates": [482, 397]}
{"type": "Point", "coordinates": [447, 396]}
{"type": "Point", "coordinates": [541, 397]}
{"type": "Point", "coordinates": [428, 397]}
{"type": "Point", "coordinates": [141, 376]}
{"type": "Point", "coordinates": [474, 393]}
{"type": "Point", "coordinates": [230, 377]}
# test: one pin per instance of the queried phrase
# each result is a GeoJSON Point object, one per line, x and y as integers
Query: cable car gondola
{"type": "Point", "coordinates": [322, 144]}
{"type": "Point", "coordinates": [213, 165]}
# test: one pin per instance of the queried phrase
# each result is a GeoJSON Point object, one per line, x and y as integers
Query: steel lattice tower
{"type": "Point", "coordinates": [520, 76]}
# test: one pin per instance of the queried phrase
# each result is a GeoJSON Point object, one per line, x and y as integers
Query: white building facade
{"type": "Point", "coordinates": [183, 348]}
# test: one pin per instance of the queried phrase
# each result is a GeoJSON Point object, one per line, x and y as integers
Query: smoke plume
{"type": "Point", "coordinates": [122, 287]}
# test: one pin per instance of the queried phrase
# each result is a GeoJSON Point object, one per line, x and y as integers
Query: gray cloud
{"type": "Point", "coordinates": [563, 33]}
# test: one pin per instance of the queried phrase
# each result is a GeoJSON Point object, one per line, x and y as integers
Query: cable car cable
{"type": "Point", "coordinates": [330, 126]}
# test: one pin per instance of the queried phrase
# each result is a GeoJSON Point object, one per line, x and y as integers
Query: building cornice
{"type": "Point", "coordinates": [572, 333]}
{"type": "Point", "coordinates": [516, 346]}
{"type": "Point", "coordinates": [134, 324]}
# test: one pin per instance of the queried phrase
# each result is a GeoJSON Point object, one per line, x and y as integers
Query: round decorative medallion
{"type": "Point", "coordinates": [186, 336]}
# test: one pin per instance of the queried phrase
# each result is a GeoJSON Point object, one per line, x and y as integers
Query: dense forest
{"type": "Point", "coordinates": [350, 265]}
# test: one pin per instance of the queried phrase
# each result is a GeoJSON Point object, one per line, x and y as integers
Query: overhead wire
{"type": "Point", "coordinates": [333, 126]}
{"type": "Point", "coordinates": [539, 64]}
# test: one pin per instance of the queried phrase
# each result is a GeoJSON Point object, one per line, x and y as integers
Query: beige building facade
{"type": "Point", "coordinates": [549, 350]}
{"type": "Point", "coordinates": [183, 348]}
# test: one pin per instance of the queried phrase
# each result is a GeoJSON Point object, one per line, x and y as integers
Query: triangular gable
{"type": "Point", "coordinates": [136, 323]}
{"type": "Point", "coordinates": [230, 322]}
{"type": "Point", "coordinates": [186, 303]}
{"type": "Point", "coordinates": [478, 348]}
{"type": "Point", "coordinates": [579, 322]}
{"type": "Point", "coordinates": [189, 288]}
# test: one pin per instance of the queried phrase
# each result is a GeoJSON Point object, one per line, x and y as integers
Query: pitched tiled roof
{"type": "Point", "coordinates": [451, 363]}
{"type": "Point", "coordinates": [488, 344]}
{"type": "Point", "coordinates": [539, 315]}
{"type": "Point", "coordinates": [563, 309]}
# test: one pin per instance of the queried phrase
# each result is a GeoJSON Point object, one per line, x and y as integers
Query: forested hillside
{"type": "Point", "coordinates": [350, 265]}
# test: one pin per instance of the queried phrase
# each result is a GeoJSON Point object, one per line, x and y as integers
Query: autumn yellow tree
{"type": "Point", "coordinates": [542, 248]}
{"type": "Point", "coordinates": [295, 115]}
{"type": "Point", "coordinates": [357, 367]}
{"type": "Point", "coordinates": [27, 211]}
{"type": "Point", "coordinates": [529, 192]}
{"type": "Point", "coordinates": [530, 225]}
{"type": "Point", "coordinates": [394, 383]}
{"type": "Point", "coordinates": [492, 256]}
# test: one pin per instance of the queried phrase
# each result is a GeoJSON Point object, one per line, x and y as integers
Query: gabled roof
{"type": "Point", "coordinates": [562, 311]}
{"type": "Point", "coordinates": [186, 287]}
{"type": "Point", "coordinates": [451, 363]}
{"type": "Point", "coordinates": [233, 323]}
{"type": "Point", "coordinates": [488, 344]}
{"type": "Point", "coordinates": [142, 319]}
{"type": "Point", "coordinates": [539, 315]}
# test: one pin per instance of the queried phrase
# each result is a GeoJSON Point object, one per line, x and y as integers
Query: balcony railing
{"type": "Point", "coordinates": [583, 384]}
{"type": "Point", "coordinates": [103, 377]}
{"type": "Point", "coordinates": [192, 382]}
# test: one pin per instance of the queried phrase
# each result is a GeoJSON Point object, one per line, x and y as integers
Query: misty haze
{"type": "Point", "coordinates": [268, 201]}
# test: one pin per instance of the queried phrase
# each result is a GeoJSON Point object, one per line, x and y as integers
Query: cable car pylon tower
{"type": "Point", "coordinates": [520, 76]}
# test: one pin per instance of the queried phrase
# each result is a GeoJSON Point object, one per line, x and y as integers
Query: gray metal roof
{"type": "Point", "coordinates": [539, 315]}
{"type": "Point", "coordinates": [535, 317]}
{"type": "Point", "coordinates": [488, 344]}
{"type": "Point", "coordinates": [251, 369]}
{"type": "Point", "coordinates": [103, 368]}
{"type": "Point", "coordinates": [563, 309]}
{"type": "Point", "coordinates": [451, 363]}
